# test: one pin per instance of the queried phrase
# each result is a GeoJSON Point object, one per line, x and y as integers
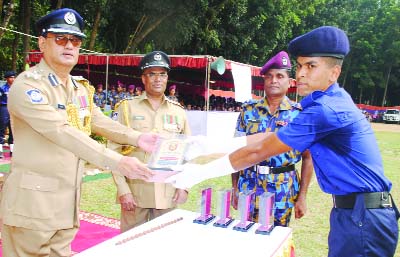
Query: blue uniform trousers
{"type": "Point", "coordinates": [361, 232]}
{"type": "Point", "coordinates": [4, 123]}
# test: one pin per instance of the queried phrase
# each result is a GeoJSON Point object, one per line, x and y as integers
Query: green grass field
{"type": "Point", "coordinates": [310, 233]}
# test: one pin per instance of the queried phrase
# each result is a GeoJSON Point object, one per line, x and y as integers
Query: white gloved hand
{"type": "Point", "coordinates": [202, 145]}
{"type": "Point", "coordinates": [192, 174]}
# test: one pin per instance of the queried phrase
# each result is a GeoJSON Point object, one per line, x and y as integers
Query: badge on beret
{"type": "Point", "coordinates": [35, 96]}
{"type": "Point", "coordinates": [69, 18]}
{"type": "Point", "coordinates": [157, 57]}
{"type": "Point", "coordinates": [284, 61]}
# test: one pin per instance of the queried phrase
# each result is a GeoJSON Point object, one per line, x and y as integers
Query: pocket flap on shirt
{"type": "Point", "coordinates": [39, 183]}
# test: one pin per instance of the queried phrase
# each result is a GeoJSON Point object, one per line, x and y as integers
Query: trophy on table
{"type": "Point", "coordinates": [205, 211]}
{"type": "Point", "coordinates": [224, 208]}
{"type": "Point", "coordinates": [245, 206]}
{"type": "Point", "coordinates": [169, 152]}
{"type": "Point", "coordinates": [266, 213]}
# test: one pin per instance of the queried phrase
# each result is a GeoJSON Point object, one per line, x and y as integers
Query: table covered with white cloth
{"type": "Point", "coordinates": [175, 234]}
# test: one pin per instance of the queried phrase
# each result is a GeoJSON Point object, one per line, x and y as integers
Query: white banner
{"type": "Point", "coordinates": [242, 80]}
{"type": "Point", "coordinates": [214, 124]}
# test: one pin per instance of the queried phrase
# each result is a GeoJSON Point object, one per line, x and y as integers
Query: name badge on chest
{"type": "Point", "coordinates": [263, 170]}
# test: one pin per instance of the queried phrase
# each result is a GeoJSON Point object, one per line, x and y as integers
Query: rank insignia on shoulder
{"type": "Point", "coordinates": [254, 120]}
{"type": "Point", "coordinates": [34, 96]}
{"type": "Point", "coordinates": [61, 106]}
{"type": "Point", "coordinates": [34, 75]}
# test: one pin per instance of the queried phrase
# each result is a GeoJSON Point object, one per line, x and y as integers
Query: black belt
{"type": "Point", "coordinates": [274, 170]}
{"type": "Point", "coordinates": [375, 200]}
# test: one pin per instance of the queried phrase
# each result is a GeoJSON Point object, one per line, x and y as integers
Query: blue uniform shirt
{"type": "Point", "coordinates": [99, 98]}
{"type": "Point", "coordinates": [4, 94]}
{"type": "Point", "coordinates": [257, 118]}
{"type": "Point", "coordinates": [343, 146]}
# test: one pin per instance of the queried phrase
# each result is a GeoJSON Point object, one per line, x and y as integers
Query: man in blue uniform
{"type": "Point", "coordinates": [4, 115]}
{"type": "Point", "coordinates": [346, 157]}
{"type": "Point", "coordinates": [99, 96]}
{"type": "Point", "coordinates": [138, 91]}
{"type": "Point", "coordinates": [111, 96]}
{"type": "Point", "coordinates": [276, 174]}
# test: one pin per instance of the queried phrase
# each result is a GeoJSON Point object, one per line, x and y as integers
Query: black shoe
{"type": "Point", "coordinates": [1, 155]}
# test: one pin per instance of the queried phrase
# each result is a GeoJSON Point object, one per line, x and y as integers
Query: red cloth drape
{"type": "Point", "coordinates": [184, 61]}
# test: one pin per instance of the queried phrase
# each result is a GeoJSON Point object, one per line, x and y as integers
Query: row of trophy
{"type": "Point", "coordinates": [245, 205]}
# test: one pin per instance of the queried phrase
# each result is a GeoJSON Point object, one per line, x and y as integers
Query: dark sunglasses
{"type": "Point", "coordinates": [63, 40]}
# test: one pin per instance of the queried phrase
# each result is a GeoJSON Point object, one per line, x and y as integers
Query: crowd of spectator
{"type": "Point", "coordinates": [120, 91]}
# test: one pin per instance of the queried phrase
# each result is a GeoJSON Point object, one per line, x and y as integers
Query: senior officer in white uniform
{"type": "Point", "coordinates": [152, 111]}
{"type": "Point", "coordinates": [52, 115]}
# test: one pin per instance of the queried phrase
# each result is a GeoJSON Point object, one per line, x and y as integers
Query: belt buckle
{"type": "Point", "coordinates": [385, 198]}
{"type": "Point", "coordinates": [263, 170]}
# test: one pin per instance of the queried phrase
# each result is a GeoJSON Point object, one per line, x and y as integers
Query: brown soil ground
{"type": "Point", "coordinates": [386, 127]}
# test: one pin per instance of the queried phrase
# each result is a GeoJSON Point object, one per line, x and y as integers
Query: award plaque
{"type": "Point", "coordinates": [266, 213]}
{"type": "Point", "coordinates": [224, 208]}
{"type": "Point", "coordinates": [168, 152]}
{"type": "Point", "coordinates": [206, 216]}
{"type": "Point", "coordinates": [246, 199]}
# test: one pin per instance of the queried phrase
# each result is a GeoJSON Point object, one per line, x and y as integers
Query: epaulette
{"type": "Point", "coordinates": [33, 74]}
{"type": "Point", "coordinates": [295, 104]}
{"type": "Point", "coordinates": [250, 102]}
{"type": "Point", "coordinates": [79, 78]}
{"type": "Point", "coordinates": [119, 103]}
{"type": "Point", "coordinates": [174, 102]}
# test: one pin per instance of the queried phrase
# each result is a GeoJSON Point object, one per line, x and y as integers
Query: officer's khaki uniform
{"type": "Point", "coordinates": [51, 124]}
{"type": "Point", "coordinates": [153, 199]}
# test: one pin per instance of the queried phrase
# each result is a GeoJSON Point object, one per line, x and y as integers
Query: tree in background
{"type": "Point", "coordinates": [247, 31]}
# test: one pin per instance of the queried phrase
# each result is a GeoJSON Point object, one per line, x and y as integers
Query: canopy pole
{"type": "Point", "coordinates": [208, 74]}
{"type": "Point", "coordinates": [107, 59]}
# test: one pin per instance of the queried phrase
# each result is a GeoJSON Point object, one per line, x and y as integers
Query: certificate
{"type": "Point", "coordinates": [169, 152]}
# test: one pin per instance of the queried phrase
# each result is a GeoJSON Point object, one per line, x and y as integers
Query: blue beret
{"type": "Point", "coordinates": [131, 87]}
{"type": "Point", "coordinates": [172, 87]}
{"type": "Point", "coordinates": [155, 59]}
{"type": "Point", "coordinates": [10, 74]}
{"type": "Point", "coordinates": [61, 21]}
{"type": "Point", "coordinates": [323, 41]}
{"type": "Point", "coordinates": [139, 88]}
{"type": "Point", "coordinates": [279, 61]}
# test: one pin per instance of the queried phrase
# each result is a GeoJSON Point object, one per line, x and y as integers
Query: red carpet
{"type": "Point", "coordinates": [94, 230]}
{"type": "Point", "coordinates": [6, 159]}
